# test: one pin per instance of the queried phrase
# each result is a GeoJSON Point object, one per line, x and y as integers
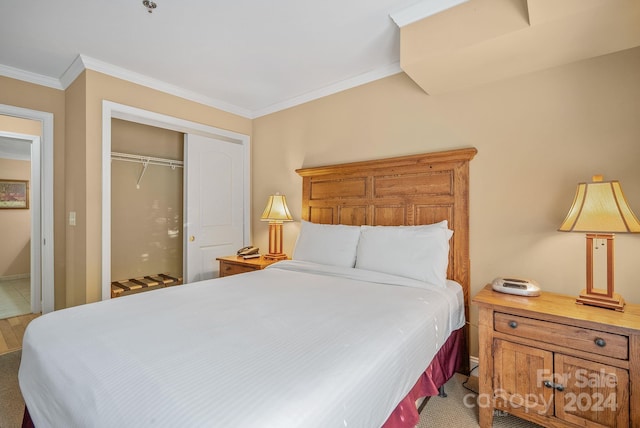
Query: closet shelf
{"type": "Point", "coordinates": [148, 160]}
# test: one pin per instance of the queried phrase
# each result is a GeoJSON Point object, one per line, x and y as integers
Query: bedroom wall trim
{"type": "Point", "coordinates": [42, 227]}
{"type": "Point", "coordinates": [421, 10]}
{"type": "Point", "coordinates": [343, 85]}
{"type": "Point", "coordinates": [474, 362]}
{"type": "Point", "coordinates": [83, 62]}
{"type": "Point", "coordinates": [35, 214]}
{"type": "Point", "coordinates": [30, 77]}
{"type": "Point", "coordinates": [112, 110]}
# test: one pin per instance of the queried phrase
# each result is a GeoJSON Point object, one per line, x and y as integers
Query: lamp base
{"type": "Point", "coordinates": [280, 256]}
{"type": "Point", "coordinates": [616, 302]}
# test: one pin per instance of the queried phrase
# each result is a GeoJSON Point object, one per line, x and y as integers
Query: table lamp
{"type": "Point", "coordinates": [275, 213]}
{"type": "Point", "coordinates": [600, 209]}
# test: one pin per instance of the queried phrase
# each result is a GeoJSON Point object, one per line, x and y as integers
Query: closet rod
{"type": "Point", "coordinates": [147, 160]}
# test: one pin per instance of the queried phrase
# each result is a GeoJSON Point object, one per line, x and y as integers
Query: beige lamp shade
{"type": "Point", "coordinates": [600, 207]}
{"type": "Point", "coordinates": [275, 213]}
{"type": "Point", "coordinates": [276, 209]}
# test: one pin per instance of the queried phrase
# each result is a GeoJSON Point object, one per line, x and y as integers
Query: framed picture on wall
{"type": "Point", "coordinates": [14, 194]}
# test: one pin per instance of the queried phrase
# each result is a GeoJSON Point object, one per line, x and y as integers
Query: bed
{"type": "Point", "coordinates": [328, 339]}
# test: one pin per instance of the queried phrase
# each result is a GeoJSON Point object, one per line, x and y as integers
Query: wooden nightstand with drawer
{"type": "Point", "coordinates": [557, 363]}
{"type": "Point", "coordinates": [232, 265]}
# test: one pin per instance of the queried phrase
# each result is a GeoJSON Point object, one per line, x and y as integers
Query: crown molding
{"type": "Point", "coordinates": [83, 62]}
{"type": "Point", "coordinates": [343, 85]}
{"type": "Point", "coordinates": [72, 72]}
{"type": "Point", "coordinates": [141, 79]}
{"type": "Point", "coordinates": [422, 10]}
{"type": "Point", "coordinates": [28, 76]}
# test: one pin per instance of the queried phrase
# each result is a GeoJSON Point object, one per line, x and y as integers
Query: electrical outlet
{"type": "Point", "coordinates": [72, 218]}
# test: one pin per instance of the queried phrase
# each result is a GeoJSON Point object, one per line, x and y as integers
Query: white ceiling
{"type": "Point", "coordinates": [248, 57]}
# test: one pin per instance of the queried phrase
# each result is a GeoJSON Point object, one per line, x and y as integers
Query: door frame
{"type": "Point", "coordinates": [35, 214]}
{"type": "Point", "coordinates": [113, 110]}
{"type": "Point", "coordinates": [42, 255]}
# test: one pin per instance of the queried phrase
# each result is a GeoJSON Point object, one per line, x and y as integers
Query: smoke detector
{"type": "Point", "coordinates": [150, 5]}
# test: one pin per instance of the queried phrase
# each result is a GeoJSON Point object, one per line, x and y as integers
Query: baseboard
{"type": "Point", "coordinates": [14, 277]}
{"type": "Point", "coordinates": [473, 363]}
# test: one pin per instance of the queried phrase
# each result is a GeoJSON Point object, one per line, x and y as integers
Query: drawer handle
{"type": "Point", "coordinates": [555, 386]}
{"type": "Point", "coordinates": [513, 324]}
{"type": "Point", "coordinates": [227, 268]}
{"type": "Point", "coordinates": [600, 342]}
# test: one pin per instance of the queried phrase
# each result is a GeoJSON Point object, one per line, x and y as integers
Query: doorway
{"type": "Point", "coordinates": [42, 206]}
{"type": "Point", "coordinates": [146, 201]}
{"type": "Point", "coordinates": [16, 285]}
{"type": "Point", "coordinates": [111, 110]}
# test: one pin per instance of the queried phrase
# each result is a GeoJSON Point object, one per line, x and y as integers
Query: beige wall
{"type": "Point", "coordinates": [84, 256]}
{"type": "Point", "coordinates": [77, 168]}
{"type": "Point", "coordinates": [15, 225]}
{"type": "Point", "coordinates": [75, 190]}
{"type": "Point", "coordinates": [537, 136]}
{"type": "Point", "coordinates": [20, 126]}
{"type": "Point", "coordinates": [146, 222]}
{"type": "Point", "coordinates": [35, 97]}
{"type": "Point", "coordinates": [77, 164]}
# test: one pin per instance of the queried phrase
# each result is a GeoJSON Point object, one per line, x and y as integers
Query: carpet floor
{"type": "Point", "coordinates": [11, 403]}
{"type": "Point", "coordinates": [457, 410]}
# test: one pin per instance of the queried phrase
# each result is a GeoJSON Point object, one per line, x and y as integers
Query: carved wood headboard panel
{"type": "Point", "coordinates": [408, 190]}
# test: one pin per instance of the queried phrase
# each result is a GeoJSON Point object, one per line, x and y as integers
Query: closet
{"type": "Point", "coordinates": [146, 207]}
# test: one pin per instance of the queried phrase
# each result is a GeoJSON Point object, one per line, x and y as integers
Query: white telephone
{"type": "Point", "coordinates": [249, 252]}
{"type": "Point", "coordinates": [519, 286]}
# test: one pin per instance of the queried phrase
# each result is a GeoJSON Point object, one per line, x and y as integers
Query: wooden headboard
{"type": "Point", "coordinates": [407, 190]}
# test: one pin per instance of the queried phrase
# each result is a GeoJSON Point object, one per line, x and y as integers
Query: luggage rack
{"type": "Point", "coordinates": [145, 283]}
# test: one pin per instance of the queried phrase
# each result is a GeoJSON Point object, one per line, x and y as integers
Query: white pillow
{"type": "Point", "coordinates": [327, 244]}
{"type": "Point", "coordinates": [417, 252]}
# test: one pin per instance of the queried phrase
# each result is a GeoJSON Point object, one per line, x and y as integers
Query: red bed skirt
{"type": "Point", "coordinates": [26, 419]}
{"type": "Point", "coordinates": [444, 365]}
{"type": "Point", "coordinates": [446, 362]}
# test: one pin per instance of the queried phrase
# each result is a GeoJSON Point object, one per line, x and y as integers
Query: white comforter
{"type": "Point", "coordinates": [295, 345]}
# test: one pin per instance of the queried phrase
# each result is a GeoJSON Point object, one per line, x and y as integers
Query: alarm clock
{"type": "Point", "coordinates": [519, 286]}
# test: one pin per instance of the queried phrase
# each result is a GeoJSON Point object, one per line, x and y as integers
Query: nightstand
{"type": "Point", "coordinates": [232, 265]}
{"type": "Point", "coordinates": [556, 363]}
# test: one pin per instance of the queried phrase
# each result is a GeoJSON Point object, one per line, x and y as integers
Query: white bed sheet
{"type": "Point", "coordinates": [295, 345]}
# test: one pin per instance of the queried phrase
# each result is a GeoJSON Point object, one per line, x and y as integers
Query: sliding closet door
{"type": "Point", "coordinates": [214, 204]}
